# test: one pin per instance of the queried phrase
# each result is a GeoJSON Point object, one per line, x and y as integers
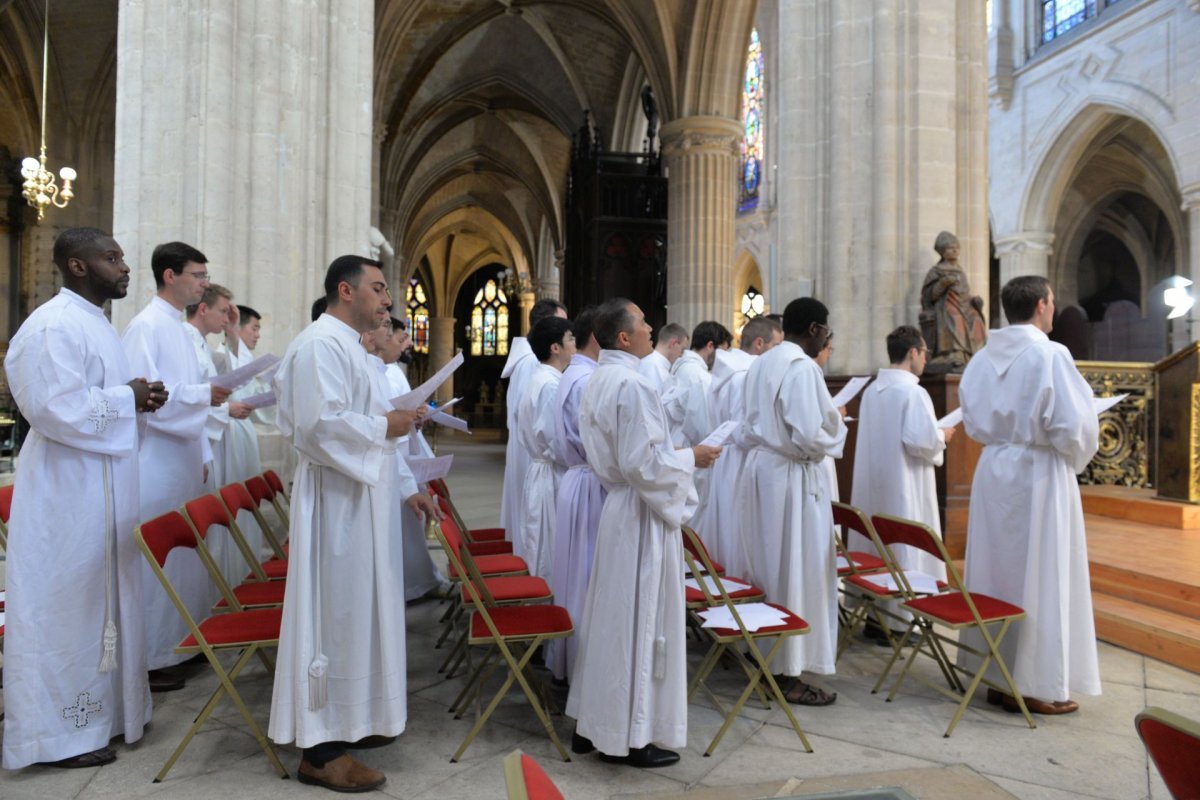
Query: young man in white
{"type": "Point", "coordinates": [656, 366]}
{"type": "Point", "coordinates": [1024, 400]}
{"type": "Point", "coordinates": [74, 654]}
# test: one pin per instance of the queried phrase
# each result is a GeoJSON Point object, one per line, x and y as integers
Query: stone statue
{"type": "Point", "coordinates": [951, 317]}
{"type": "Point", "coordinates": [378, 246]}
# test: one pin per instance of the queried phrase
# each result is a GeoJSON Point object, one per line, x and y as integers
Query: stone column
{"type": "Point", "coordinates": [700, 154]}
{"type": "Point", "coordinates": [247, 132]}
{"type": "Point", "coordinates": [1024, 253]}
{"type": "Point", "coordinates": [1191, 206]}
{"type": "Point", "coordinates": [441, 350]}
{"type": "Point", "coordinates": [527, 301]}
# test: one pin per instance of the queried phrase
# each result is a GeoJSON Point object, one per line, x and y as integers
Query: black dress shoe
{"type": "Point", "coordinates": [96, 758]}
{"type": "Point", "coordinates": [581, 745]}
{"type": "Point", "coordinates": [163, 681]}
{"type": "Point", "coordinates": [646, 757]}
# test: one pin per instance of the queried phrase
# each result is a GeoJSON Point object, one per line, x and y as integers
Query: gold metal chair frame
{"type": "Point", "coordinates": [849, 618]}
{"type": "Point", "coordinates": [214, 571]}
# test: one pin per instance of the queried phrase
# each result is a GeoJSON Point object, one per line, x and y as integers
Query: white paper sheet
{"type": "Point", "coordinates": [754, 616]}
{"type": "Point", "coordinates": [425, 470]}
{"type": "Point", "coordinates": [417, 397]}
{"type": "Point", "coordinates": [1103, 404]}
{"type": "Point", "coordinates": [442, 418]}
{"type": "Point", "coordinates": [444, 405]}
{"type": "Point", "coordinates": [850, 390]}
{"type": "Point", "coordinates": [921, 582]}
{"type": "Point", "coordinates": [842, 563]}
{"type": "Point", "coordinates": [721, 436]}
{"type": "Point", "coordinates": [264, 400]}
{"type": "Point", "coordinates": [951, 419]}
{"type": "Point", "coordinates": [731, 586]}
{"type": "Point", "coordinates": [237, 378]}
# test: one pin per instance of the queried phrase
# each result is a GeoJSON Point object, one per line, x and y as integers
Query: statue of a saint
{"type": "Point", "coordinates": [951, 317]}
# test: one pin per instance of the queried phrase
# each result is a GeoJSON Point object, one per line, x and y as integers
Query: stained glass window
{"type": "Point", "coordinates": [1060, 16]}
{"type": "Point", "coordinates": [753, 119]}
{"type": "Point", "coordinates": [753, 304]}
{"type": "Point", "coordinates": [417, 310]}
{"type": "Point", "coordinates": [489, 322]}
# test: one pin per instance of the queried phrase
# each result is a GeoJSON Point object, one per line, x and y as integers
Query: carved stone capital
{"type": "Point", "coordinates": [681, 137]}
{"type": "Point", "coordinates": [1191, 192]}
{"type": "Point", "coordinates": [1025, 240]}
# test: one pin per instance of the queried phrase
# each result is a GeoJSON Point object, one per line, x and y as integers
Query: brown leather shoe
{"type": "Point", "coordinates": [342, 774]}
{"type": "Point", "coordinates": [1036, 706]}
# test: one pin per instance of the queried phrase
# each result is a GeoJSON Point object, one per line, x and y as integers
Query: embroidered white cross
{"type": "Point", "coordinates": [82, 708]}
{"type": "Point", "coordinates": [102, 414]}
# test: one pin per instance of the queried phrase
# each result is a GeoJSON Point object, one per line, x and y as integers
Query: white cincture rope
{"type": "Point", "coordinates": [108, 657]}
{"type": "Point", "coordinates": [318, 668]}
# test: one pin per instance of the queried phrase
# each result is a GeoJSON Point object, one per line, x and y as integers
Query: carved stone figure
{"type": "Point", "coordinates": [952, 319]}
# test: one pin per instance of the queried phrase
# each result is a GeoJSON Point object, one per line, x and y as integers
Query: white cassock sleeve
{"type": "Point", "coordinates": [332, 434]}
{"type": "Point", "coordinates": [186, 412]}
{"type": "Point", "coordinates": [50, 385]}
{"type": "Point", "coordinates": [919, 431]}
{"type": "Point", "coordinates": [1069, 416]}
{"type": "Point", "coordinates": [544, 432]}
{"type": "Point", "coordinates": [815, 435]}
{"type": "Point", "coordinates": [660, 474]}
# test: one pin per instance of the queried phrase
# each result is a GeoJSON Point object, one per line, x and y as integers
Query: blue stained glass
{"type": "Point", "coordinates": [753, 107]}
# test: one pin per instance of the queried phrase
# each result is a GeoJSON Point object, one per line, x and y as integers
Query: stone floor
{"type": "Point", "coordinates": [861, 741]}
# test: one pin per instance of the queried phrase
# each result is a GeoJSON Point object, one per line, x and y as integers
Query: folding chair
{"type": "Point", "coordinates": [1173, 742]}
{"type": "Point", "coordinates": [260, 492]}
{"type": "Point", "coordinates": [246, 632]}
{"type": "Point", "coordinates": [525, 780]}
{"type": "Point", "coordinates": [514, 633]}
{"type": "Point", "coordinates": [757, 667]}
{"type": "Point", "coordinates": [280, 493]}
{"type": "Point", "coordinates": [237, 497]}
{"type": "Point", "coordinates": [957, 609]}
{"type": "Point", "coordinates": [847, 518]}
{"type": "Point", "coordinates": [695, 597]}
{"type": "Point", "coordinates": [480, 541]}
{"type": "Point", "coordinates": [203, 513]}
{"type": "Point", "coordinates": [6, 495]}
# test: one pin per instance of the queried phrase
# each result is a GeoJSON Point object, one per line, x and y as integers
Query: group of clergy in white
{"type": "Point", "coordinates": [125, 448]}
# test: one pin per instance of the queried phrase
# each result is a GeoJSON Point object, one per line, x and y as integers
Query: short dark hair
{"type": "Point", "coordinates": [246, 313]}
{"type": "Point", "coordinates": [901, 340]}
{"type": "Point", "coordinates": [759, 328]}
{"type": "Point", "coordinates": [1020, 297]}
{"type": "Point", "coordinates": [672, 330]}
{"type": "Point", "coordinates": [546, 307]}
{"type": "Point", "coordinates": [345, 269]}
{"type": "Point", "coordinates": [584, 325]}
{"type": "Point", "coordinates": [612, 317]}
{"type": "Point", "coordinates": [710, 331]}
{"type": "Point", "coordinates": [318, 308]}
{"type": "Point", "coordinates": [777, 318]}
{"type": "Point", "coordinates": [547, 332]}
{"type": "Point", "coordinates": [173, 256]}
{"type": "Point", "coordinates": [801, 313]}
{"type": "Point", "coordinates": [398, 324]}
{"type": "Point", "coordinates": [72, 242]}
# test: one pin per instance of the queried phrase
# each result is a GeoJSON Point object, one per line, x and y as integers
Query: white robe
{"type": "Point", "coordinates": [242, 459]}
{"type": "Point", "coordinates": [421, 575]}
{"type": "Point", "coordinates": [656, 369]}
{"type": "Point", "coordinates": [536, 433]}
{"type": "Point", "coordinates": [67, 373]}
{"type": "Point", "coordinates": [629, 687]}
{"type": "Point", "coordinates": [171, 460]}
{"type": "Point", "coordinates": [692, 383]}
{"type": "Point", "coordinates": [899, 444]}
{"type": "Point", "coordinates": [577, 514]}
{"type": "Point", "coordinates": [786, 532]}
{"type": "Point", "coordinates": [344, 599]}
{"type": "Point", "coordinates": [520, 365]}
{"type": "Point", "coordinates": [717, 521]}
{"type": "Point", "coordinates": [1025, 401]}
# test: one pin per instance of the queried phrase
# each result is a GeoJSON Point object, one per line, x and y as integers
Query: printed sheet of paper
{"type": "Point", "coordinates": [425, 470]}
{"type": "Point", "coordinates": [237, 378]}
{"type": "Point", "coordinates": [442, 418]}
{"type": "Point", "coordinates": [850, 390]}
{"type": "Point", "coordinates": [417, 397]}
{"type": "Point", "coordinates": [264, 400]}
{"type": "Point", "coordinates": [446, 404]}
{"type": "Point", "coordinates": [754, 616]}
{"type": "Point", "coordinates": [951, 419]}
{"type": "Point", "coordinates": [921, 582]}
{"type": "Point", "coordinates": [721, 436]}
{"type": "Point", "coordinates": [731, 586]}
{"type": "Point", "coordinates": [1103, 404]}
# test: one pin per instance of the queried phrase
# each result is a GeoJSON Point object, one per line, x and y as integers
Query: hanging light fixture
{"type": "Point", "coordinates": [39, 188]}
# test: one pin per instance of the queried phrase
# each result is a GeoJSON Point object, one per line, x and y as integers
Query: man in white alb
{"type": "Point", "coordinates": [74, 655]}
{"type": "Point", "coordinates": [656, 366]}
{"type": "Point", "coordinates": [629, 689]}
{"type": "Point", "coordinates": [175, 448]}
{"type": "Point", "coordinates": [1024, 400]}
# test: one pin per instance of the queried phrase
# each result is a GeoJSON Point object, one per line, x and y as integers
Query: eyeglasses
{"type": "Point", "coordinates": [200, 276]}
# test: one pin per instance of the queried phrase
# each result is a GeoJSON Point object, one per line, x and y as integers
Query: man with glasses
{"type": "Point", "coordinates": [791, 426]}
{"type": "Point", "coordinates": [899, 444]}
{"type": "Point", "coordinates": [175, 447]}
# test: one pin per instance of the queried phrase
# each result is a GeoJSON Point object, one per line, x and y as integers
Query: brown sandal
{"type": "Point", "coordinates": [805, 694]}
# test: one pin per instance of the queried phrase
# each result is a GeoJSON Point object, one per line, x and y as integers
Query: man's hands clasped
{"type": "Point", "coordinates": [148, 396]}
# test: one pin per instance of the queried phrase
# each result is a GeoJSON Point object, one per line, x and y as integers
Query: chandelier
{"type": "Point", "coordinates": [39, 188]}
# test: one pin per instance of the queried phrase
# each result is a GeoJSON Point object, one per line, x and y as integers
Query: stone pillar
{"type": "Point", "coordinates": [441, 350]}
{"type": "Point", "coordinates": [1191, 206]}
{"type": "Point", "coordinates": [700, 154]}
{"type": "Point", "coordinates": [527, 301]}
{"type": "Point", "coordinates": [1024, 253]}
{"type": "Point", "coordinates": [247, 132]}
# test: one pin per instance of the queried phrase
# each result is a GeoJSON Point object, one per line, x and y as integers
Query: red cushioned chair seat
{"type": "Point", "coordinates": [495, 565]}
{"type": "Point", "coordinates": [537, 783]}
{"type": "Point", "coordinates": [696, 596]}
{"type": "Point", "coordinates": [274, 568]}
{"type": "Point", "coordinates": [507, 590]}
{"type": "Point", "coordinates": [492, 548]}
{"type": "Point", "coordinates": [263, 593]}
{"type": "Point", "coordinates": [790, 623]}
{"type": "Point", "coordinates": [952, 608]}
{"type": "Point", "coordinates": [523, 621]}
{"type": "Point", "coordinates": [487, 534]}
{"type": "Point", "coordinates": [863, 562]}
{"type": "Point", "coordinates": [863, 582]}
{"type": "Point", "coordinates": [238, 627]}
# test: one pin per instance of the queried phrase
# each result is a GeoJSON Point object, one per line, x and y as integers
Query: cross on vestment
{"type": "Point", "coordinates": [102, 414]}
{"type": "Point", "coordinates": [82, 708]}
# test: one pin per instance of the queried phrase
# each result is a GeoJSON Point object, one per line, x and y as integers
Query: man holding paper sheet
{"type": "Point", "coordinates": [553, 345]}
{"type": "Point", "coordinates": [340, 677]}
{"type": "Point", "coordinates": [900, 443]}
{"type": "Point", "coordinates": [629, 688]}
{"type": "Point", "coordinates": [520, 365]}
{"type": "Point", "coordinates": [1023, 398]}
{"type": "Point", "coordinates": [786, 531]}
{"type": "Point", "coordinates": [175, 448]}
{"type": "Point", "coordinates": [691, 384]}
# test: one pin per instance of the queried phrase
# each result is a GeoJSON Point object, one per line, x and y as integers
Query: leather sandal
{"type": "Point", "coordinates": [342, 774]}
{"type": "Point", "coordinates": [805, 694]}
